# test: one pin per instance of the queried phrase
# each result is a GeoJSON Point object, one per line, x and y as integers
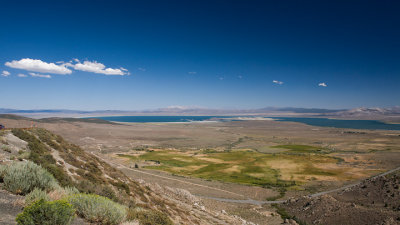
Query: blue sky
{"type": "Point", "coordinates": [133, 55]}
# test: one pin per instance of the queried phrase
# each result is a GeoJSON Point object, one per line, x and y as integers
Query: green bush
{"type": "Point", "coordinates": [98, 209]}
{"type": "Point", "coordinates": [148, 217]}
{"type": "Point", "coordinates": [23, 177]}
{"type": "Point", "coordinates": [47, 213]}
{"type": "Point", "coordinates": [36, 195]}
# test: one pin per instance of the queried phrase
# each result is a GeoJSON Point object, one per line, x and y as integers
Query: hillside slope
{"type": "Point", "coordinates": [374, 201]}
{"type": "Point", "coordinates": [72, 166]}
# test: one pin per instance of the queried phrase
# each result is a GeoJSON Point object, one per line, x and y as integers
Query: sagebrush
{"type": "Point", "coordinates": [98, 209]}
{"type": "Point", "coordinates": [148, 217]}
{"type": "Point", "coordinates": [24, 177]}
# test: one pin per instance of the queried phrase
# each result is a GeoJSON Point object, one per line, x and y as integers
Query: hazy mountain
{"type": "Point", "coordinates": [186, 110]}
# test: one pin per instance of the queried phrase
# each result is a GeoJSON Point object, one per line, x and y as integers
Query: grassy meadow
{"type": "Point", "coordinates": [295, 166]}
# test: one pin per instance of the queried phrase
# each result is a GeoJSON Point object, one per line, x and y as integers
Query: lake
{"type": "Point", "coordinates": [321, 122]}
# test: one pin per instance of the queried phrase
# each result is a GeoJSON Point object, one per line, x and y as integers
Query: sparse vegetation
{"type": "Point", "coordinates": [285, 215]}
{"type": "Point", "coordinates": [36, 195]}
{"type": "Point", "coordinates": [24, 177]}
{"type": "Point", "coordinates": [6, 148]}
{"type": "Point", "coordinates": [148, 217]}
{"type": "Point", "coordinates": [40, 154]}
{"type": "Point", "coordinates": [98, 209]}
{"type": "Point", "coordinates": [43, 212]}
{"type": "Point", "coordinates": [45, 181]}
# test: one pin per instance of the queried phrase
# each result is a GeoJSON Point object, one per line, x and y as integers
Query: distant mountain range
{"type": "Point", "coordinates": [183, 110]}
{"type": "Point", "coordinates": [172, 109]}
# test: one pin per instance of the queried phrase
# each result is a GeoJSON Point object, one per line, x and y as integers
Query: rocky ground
{"type": "Point", "coordinates": [374, 201]}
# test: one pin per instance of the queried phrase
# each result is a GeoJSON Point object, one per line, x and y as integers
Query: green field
{"type": "Point", "coordinates": [293, 167]}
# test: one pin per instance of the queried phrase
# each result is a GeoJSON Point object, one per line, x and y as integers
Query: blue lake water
{"type": "Point", "coordinates": [322, 122]}
{"type": "Point", "coordinates": [352, 124]}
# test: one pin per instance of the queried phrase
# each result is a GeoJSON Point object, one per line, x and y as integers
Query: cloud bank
{"type": "Point", "coordinates": [37, 65]}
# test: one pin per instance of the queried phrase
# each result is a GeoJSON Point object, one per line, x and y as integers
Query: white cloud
{"type": "Point", "coordinates": [40, 75]}
{"type": "Point", "coordinates": [96, 67]}
{"type": "Point", "coordinates": [37, 65]}
{"type": "Point", "coordinates": [142, 69]}
{"type": "Point", "coordinates": [21, 75]}
{"type": "Point", "coordinates": [192, 72]}
{"type": "Point", "coordinates": [5, 73]}
{"type": "Point", "coordinates": [323, 84]}
{"type": "Point", "coordinates": [277, 82]}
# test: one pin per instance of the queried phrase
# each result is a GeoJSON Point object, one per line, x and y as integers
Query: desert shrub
{"type": "Point", "coordinates": [148, 217]}
{"type": "Point", "coordinates": [47, 213]}
{"type": "Point", "coordinates": [36, 195]}
{"type": "Point", "coordinates": [98, 209]}
{"type": "Point", "coordinates": [85, 186]}
{"type": "Point", "coordinates": [23, 177]}
{"type": "Point", "coordinates": [108, 192]}
{"type": "Point", "coordinates": [6, 148]}
{"type": "Point", "coordinates": [70, 190]}
{"type": "Point", "coordinates": [61, 193]}
{"type": "Point", "coordinates": [121, 185]}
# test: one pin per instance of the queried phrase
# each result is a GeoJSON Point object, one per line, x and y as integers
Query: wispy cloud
{"type": "Point", "coordinates": [277, 82]}
{"type": "Point", "coordinates": [5, 73]}
{"type": "Point", "coordinates": [37, 65]}
{"type": "Point", "coordinates": [21, 75]}
{"type": "Point", "coordinates": [240, 76]}
{"type": "Point", "coordinates": [192, 72]}
{"type": "Point", "coordinates": [141, 69]}
{"type": "Point", "coordinates": [323, 84]}
{"type": "Point", "coordinates": [96, 67]}
{"type": "Point", "coordinates": [221, 78]}
{"type": "Point", "coordinates": [40, 75]}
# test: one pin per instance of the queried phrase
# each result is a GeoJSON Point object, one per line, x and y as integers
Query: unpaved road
{"type": "Point", "coordinates": [243, 201]}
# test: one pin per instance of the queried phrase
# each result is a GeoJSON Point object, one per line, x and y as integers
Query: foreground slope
{"type": "Point", "coordinates": [72, 166]}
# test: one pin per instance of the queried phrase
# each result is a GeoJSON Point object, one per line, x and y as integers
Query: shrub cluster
{"type": "Point", "coordinates": [24, 177]}
{"type": "Point", "coordinates": [98, 209]}
{"type": "Point", "coordinates": [148, 217]}
{"type": "Point", "coordinates": [56, 194]}
{"type": "Point", "coordinates": [36, 195]}
{"type": "Point", "coordinates": [43, 212]}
